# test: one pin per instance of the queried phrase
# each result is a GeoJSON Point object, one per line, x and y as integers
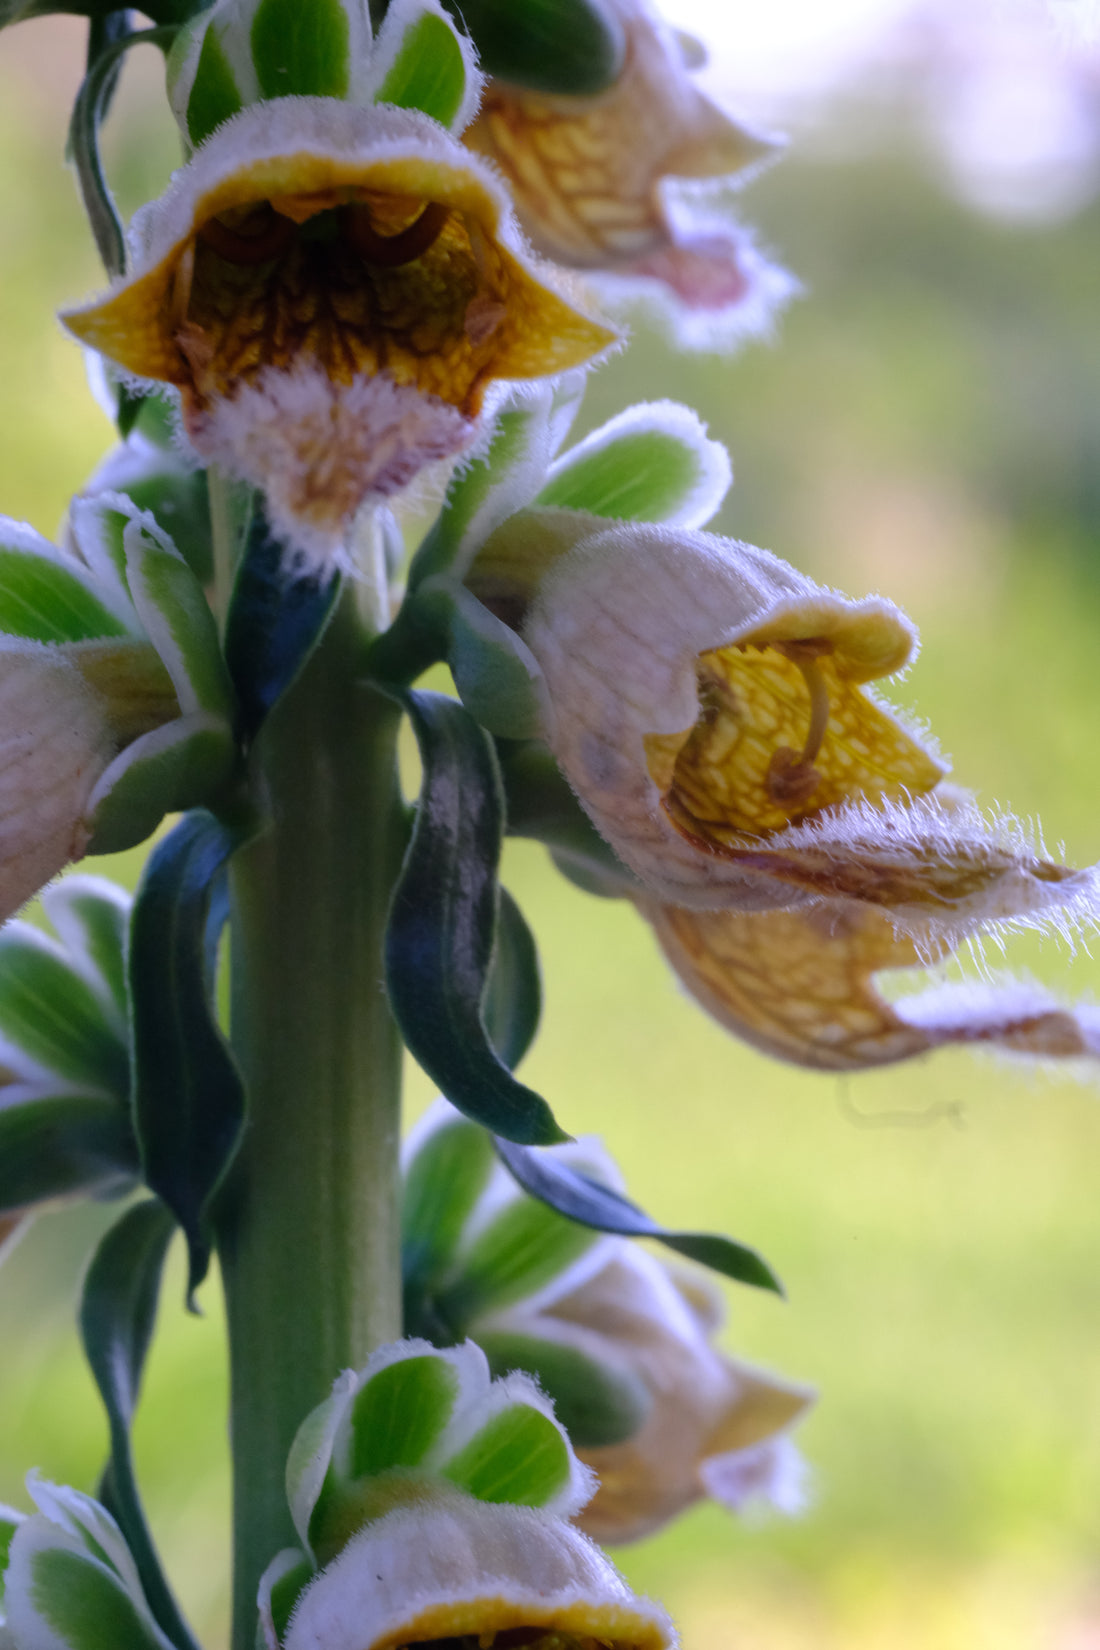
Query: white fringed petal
{"type": "Point", "coordinates": [448, 1566]}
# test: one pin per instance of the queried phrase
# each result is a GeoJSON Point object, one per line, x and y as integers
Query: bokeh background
{"type": "Point", "coordinates": [927, 423]}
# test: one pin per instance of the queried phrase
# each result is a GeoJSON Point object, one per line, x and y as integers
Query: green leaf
{"type": "Point", "coordinates": [170, 769]}
{"type": "Point", "coordinates": [117, 1315]}
{"type": "Point", "coordinates": [571, 46]}
{"type": "Point", "coordinates": [497, 676]}
{"type": "Point", "coordinates": [428, 69]}
{"type": "Point", "coordinates": [651, 463]}
{"type": "Point", "coordinates": [513, 1001]}
{"type": "Point", "coordinates": [275, 621]}
{"type": "Point", "coordinates": [584, 1200]}
{"type": "Point", "coordinates": [520, 1251]}
{"type": "Point", "coordinates": [519, 1456]}
{"type": "Point", "coordinates": [301, 50]}
{"type": "Point", "coordinates": [92, 919]}
{"type": "Point", "coordinates": [189, 1103]}
{"type": "Point", "coordinates": [215, 96]}
{"type": "Point", "coordinates": [400, 1413]}
{"type": "Point", "coordinates": [44, 601]}
{"type": "Point", "coordinates": [439, 942]}
{"type": "Point", "coordinates": [63, 1145]}
{"type": "Point", "coordinates": [443, 1182]}
{"type": "Point", "coordinates": [88, 111]}
{"type": "Point", "coordinates": [177, 619]}
{"type": "Point", "coordinates": [84, 1605]}
{"type": "Point", "coordinates": [595, 1403]}
{"type": "Point", "coordinates": [52, 1014]}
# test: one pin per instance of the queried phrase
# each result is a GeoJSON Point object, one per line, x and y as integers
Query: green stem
{"type": "Point", "coordinates": [309, 1237]}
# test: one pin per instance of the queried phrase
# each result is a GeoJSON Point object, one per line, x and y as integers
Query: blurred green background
{"type": "Point", "coordinates": [927, 426]}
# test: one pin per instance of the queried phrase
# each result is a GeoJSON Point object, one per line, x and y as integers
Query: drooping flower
{"type": "Point", "coordinates": [800, 985]}
{"type": "Point", "coordinates": [431, 1503]}
{"type": "Point", "coordinates": [712, 1425]}
{"type": "Point", "coordinates": [633, 185]}
{"type": "Point", "coordinates": [712, 709]}
{"type": "Point", "coordinates": [332, 290]}
{"type": "Point", "coordinates": [624, 1345]}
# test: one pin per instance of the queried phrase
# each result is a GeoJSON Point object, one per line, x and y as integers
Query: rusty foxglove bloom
{"type": "Point", "coordinates": [332, 290]}
{"type": "Point", "coordinates": [800, 985]}
{"type": "Point", "coordinates": [620, 184]}
{"type": "Point", "coordinates": [712, 708]}
{"type": "Point", "coordinates": [711, 1425]}
{"type": "Point", "coordinates": [448, 1566]}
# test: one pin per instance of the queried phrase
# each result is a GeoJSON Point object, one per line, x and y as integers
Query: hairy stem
{"type": "Point", "coordinates": [308, 1235]}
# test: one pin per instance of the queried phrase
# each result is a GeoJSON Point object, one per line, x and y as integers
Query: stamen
{"type": "Point", "coordinates": [275, 235]}
{"type": "Point", "coordinates": [792, 778]}
{"type": "Point", "coordinates": [392, 250]}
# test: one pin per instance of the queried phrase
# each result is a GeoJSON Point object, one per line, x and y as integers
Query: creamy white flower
{"type": "Point", "coordinates": [447, 1566]}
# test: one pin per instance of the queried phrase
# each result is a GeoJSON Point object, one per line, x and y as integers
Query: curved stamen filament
{"type": "Point", "coordinates": [274, 237]}
{"type": "Point", "coordinates": [792, 777]}
{"type": "Point", "coordinates": [391, 250]}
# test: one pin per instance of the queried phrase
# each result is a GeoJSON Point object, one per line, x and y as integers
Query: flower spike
{"type": "Point", "coordinates": [332, 290]}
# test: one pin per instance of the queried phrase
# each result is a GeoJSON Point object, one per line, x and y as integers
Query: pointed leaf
{"type": "Point", "coordinates": [276, 619]}
{"type": "Point", "coordinates": [92, 919]}
{"type": "Point", "coordinates": [497, 676]}
{"type": "Point", "coordinates": [584, 1200]}
{"type": "Point", "coordinates": [189, 1102]}
{"type": "Point", "coordinates": [652, 463]}
{"type": "Point", "coordinates": [439, 943]}
{"type": "Point", "coordinates": [177, 618]}
{"type": "Point", "coordinates": [519, 1456]}
{"type": "Point", "coordinates": [63, 1145]}
{"type": "Point", "coordinates": [117, 1316]}
{"type": "Point", "coordinates": [512, 1258]}
{"type": "Point", "coordinates": [513, 1002]}
{"type": "Point", "coordinates": [425, 64]}
{"type": "Point", "coordinates": [399, 1414]}
{"type": "Point", "coordinates": [42, 599]}
{"type": "Point", "coordinates": [52, 1014]}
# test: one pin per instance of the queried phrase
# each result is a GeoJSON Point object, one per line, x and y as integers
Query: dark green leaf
{"type": "Point", "coordinates": [513, 1001]}
{"type": "Point", "coordinates": [189, 1102]}
{"type": "Point", "coordinates": [584, 1200]}
{"type": "Point", "coordinates": [118, 1311]}
{"type": "Point", "coordinates": [276, 619]}
{"type": "Point", "coordinates": [439, 943]}
{"type": "Point", "coordinates": [64, 1145]}
{"type": "Point", "coordinates": [88, 112]}
{"type": "Point", "coordinates": [570, 46]}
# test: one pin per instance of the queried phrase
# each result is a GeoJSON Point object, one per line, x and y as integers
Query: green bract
{"type": "Point", "coordinates": [416, 1419]}
{"type": "Point", "coordinates": [242, 51]}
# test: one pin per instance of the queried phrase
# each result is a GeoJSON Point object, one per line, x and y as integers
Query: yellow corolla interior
{"type": "Point", "coordinates": [782, 733]}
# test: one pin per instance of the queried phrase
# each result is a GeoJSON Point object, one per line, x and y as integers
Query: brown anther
{"type": "Point", "coordinates": [271, 240]}
{"type": "Point", "coordinates": [392, 250]}
{"type": "Point", "coordinates": [792, 778]}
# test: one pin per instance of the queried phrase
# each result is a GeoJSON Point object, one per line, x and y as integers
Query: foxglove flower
{"type": "Point", "coordinates": [712, 708]}
{"type": "Point", "coordinates": [800, 985]}
{"type": "Point", "coordinates": [632, 185]}
{"type": "Point", "coordinates": [432, 1504]}
{"type": "Point", "coordinates": [623, 1344]}
{"type": "Point", "coordinates": [332, 290]}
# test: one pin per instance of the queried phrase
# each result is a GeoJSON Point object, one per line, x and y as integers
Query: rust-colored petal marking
{"type": "Point", "coordinates": [786, 729]}
{"type": "Point", "coordinates": [799, 985]}
{"type": "Point", "coordinates": [364, 240]}
{"type": "Point", "coordinates": [585, 171]}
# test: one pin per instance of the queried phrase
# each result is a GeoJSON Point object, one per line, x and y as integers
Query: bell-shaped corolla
{"type": "Point", "coordinates": [708, 1424]}
{"type": "Point", "coordinates": [633, 185]}
{"type": "Point", "coordinates": [713, 710]}
{"type": "Point", "coordinates": [332, 290]}
{"type": "Point", "coordinates": [448, 1566]}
